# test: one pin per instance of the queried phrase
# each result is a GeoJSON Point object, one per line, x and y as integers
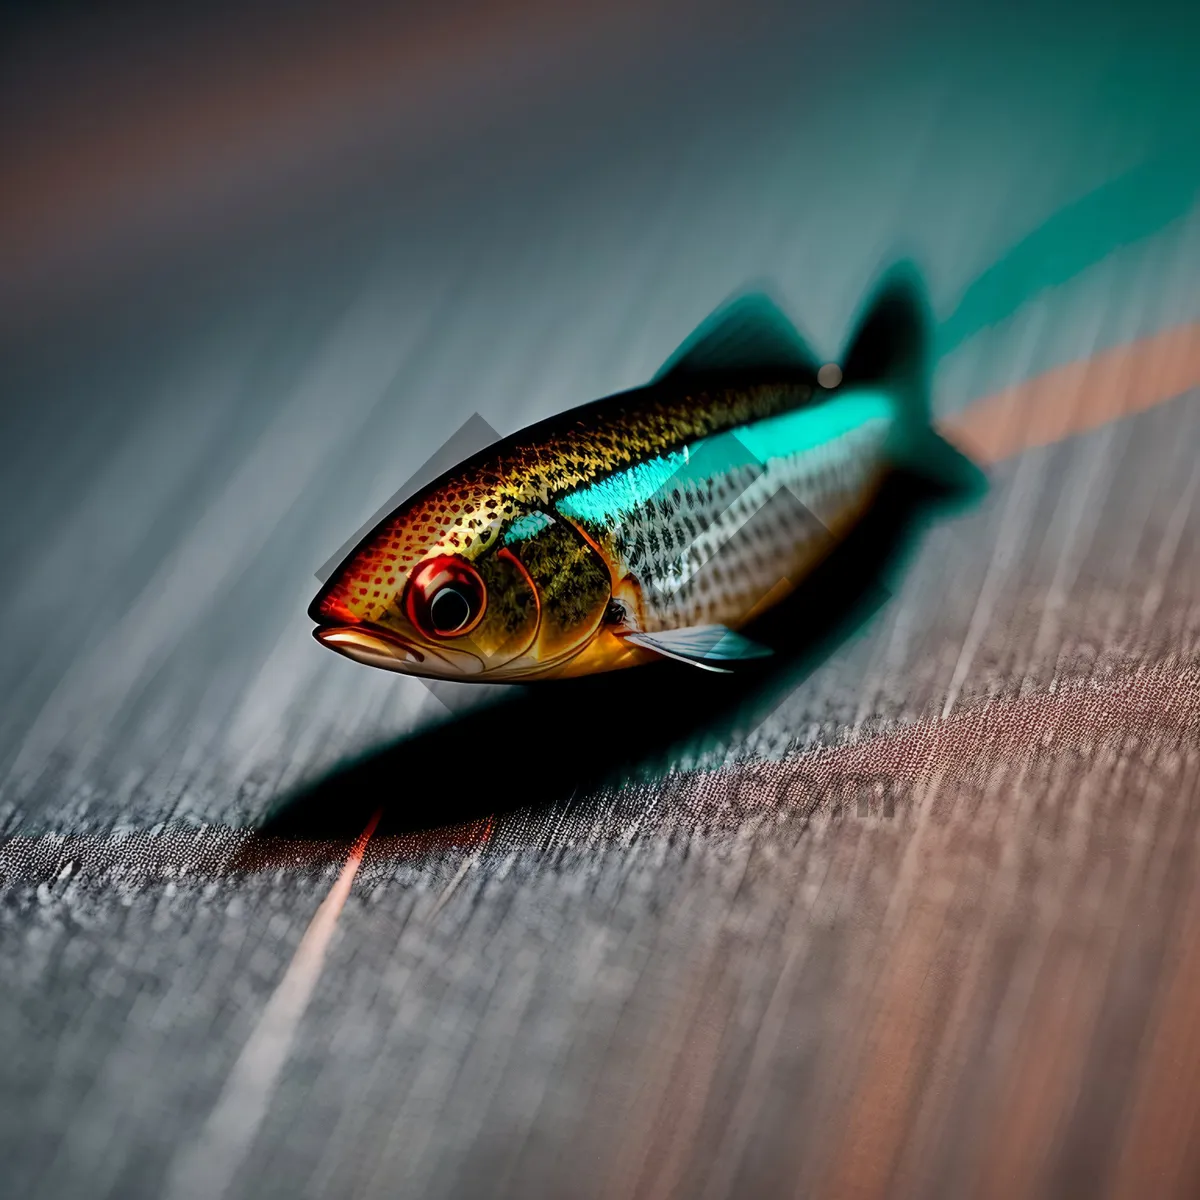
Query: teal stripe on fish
{"type": "Point", "coordinates": [606, 502]}
{"type": "Point", "coordinates": [806, 429]}
{"type": "Point", "coordinates": [526, 527]}
{"type": "Point", "coordinates": [612, 499]}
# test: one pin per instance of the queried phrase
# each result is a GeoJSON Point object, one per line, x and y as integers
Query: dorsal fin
{"type": "Point", "coordinates": [748, 335]}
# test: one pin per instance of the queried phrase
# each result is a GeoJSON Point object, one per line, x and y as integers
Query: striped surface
{"type": "Point", "coordinates": [929, 929]}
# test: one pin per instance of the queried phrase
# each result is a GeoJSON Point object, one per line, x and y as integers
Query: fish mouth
{"type": "Point", "coordinates": [375, 647]}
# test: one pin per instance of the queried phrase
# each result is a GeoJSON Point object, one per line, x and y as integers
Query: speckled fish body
{"type": "Point", "coordinates": [708, 533]}
{"type": "Point", "coordinates": [589, 541]}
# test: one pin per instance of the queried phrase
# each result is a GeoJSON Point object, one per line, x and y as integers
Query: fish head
{"type": "Point", "coordinates": [466, 581]}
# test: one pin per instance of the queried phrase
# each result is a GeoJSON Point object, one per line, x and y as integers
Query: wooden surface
{"type": "Point", "coordinates": [921, 918]}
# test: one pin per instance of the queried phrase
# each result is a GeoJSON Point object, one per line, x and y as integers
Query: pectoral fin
{"type": "Point", "coordinates": [705, 646]}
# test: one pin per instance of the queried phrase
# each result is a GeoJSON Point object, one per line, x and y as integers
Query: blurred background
{"type": "Point", "coordinates": [257, 263]}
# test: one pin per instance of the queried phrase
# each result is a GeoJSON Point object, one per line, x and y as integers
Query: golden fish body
{"type": "Point", "coordinates": [656, 522]}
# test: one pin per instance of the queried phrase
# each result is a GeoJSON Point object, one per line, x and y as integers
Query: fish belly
{"type": "Point", "coordinates": [719, 547]}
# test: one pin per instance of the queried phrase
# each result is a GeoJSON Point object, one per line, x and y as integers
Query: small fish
{"type": "Point", "coordinates": [652, 524]}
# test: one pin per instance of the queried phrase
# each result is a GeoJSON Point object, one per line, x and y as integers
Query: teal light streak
{"type": "Point", "coordinates": [1134, 206]}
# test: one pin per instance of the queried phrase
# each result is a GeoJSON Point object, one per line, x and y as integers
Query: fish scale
{"type": "Point", "coordinates": [671, 544]}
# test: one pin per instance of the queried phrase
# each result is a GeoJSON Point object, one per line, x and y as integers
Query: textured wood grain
{"type": "Point", "coordinates": [922, 921]}
{"type": "Point", "coordinates": [755, 982]}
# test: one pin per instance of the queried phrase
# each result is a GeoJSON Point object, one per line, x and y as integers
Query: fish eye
{"type": "Point", "coordinates": [449, 610]}
{"type": "Point", "coordinates": [445, 597]}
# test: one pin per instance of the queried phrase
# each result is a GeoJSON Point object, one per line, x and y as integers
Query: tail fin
{"type": "Point", "coordinates": [891, 350]}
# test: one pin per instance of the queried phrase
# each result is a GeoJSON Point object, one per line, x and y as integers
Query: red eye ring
{"type": "Point", "coordinates": [445, 597]}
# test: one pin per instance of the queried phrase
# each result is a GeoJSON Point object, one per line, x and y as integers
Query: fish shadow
{"type": "Point", "coordinates": [555, 740]}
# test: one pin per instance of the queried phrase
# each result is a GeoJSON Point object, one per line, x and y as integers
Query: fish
{"type": "Point", "coordinates": [657, 523]}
